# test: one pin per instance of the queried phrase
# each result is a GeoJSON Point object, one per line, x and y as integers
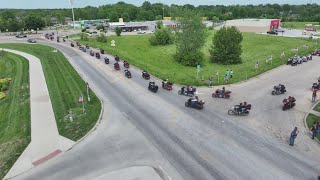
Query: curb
{"type": "Point", "coordinates": [305, 121]}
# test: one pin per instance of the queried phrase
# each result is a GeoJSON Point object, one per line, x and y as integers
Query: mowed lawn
{"type": "Point", "coordinates": [14, 111]}
{"type": "Point", "coordinates": [310, 119]}
{"type": "Point", "coordinates": [298, 25]}
{"type": "Point", "coordinates": [159, 60]}
{"type": "Point", "coordinates": [65, 87]}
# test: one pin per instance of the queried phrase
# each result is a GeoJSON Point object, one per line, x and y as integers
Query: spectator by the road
{"type": "Point", "coordinates": [293, 136]}
{"type": "Point", "coordinates": [231, 74]}
{"type": "Point", "coordinates": [314, 129]}
{"type": "Point", "coordinates": [227, 73]}
{"type": "Point", "coordinates": [210, 80]}
{"type": "Point", "coordinates": [226, 78]}
{"type": "Point", "coordinates": [257, 65]}
{"type": "Point", "coordinates": [314, 94]}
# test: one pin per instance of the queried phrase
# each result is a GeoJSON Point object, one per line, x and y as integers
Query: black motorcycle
{"type": "Point", "coordinates": [101, 51]}
{"type": "Point", "coordinates": [72, 45]}
{"type": "Point", "coordinates": [64, 39]}
{"type": "Point", "coordinates": [235, 110]}
{"type": "Point", "coordinates": [87, 46]}
{"type": "Point", "coordinates": [196, 105]}
{"type": "Point", "coordinates": [185, 92]}
{"type": "Point", "coordinates": [127, 73]}
{"type": "Point", "coordinates": [126, 64]}
{"type": "Point", "coordinates": [106, 60]}
{"type": "Point", "coordinates": [98, 55]}
{"type": "Point", "coordinates": [116, 58]}
{"type": "Point", "coordinates": [288, 103]}
{"type": "Point", "coordinates": [280, 89]}
{"type": "Point", "coordinates": [153, 87]}
{"type": "Point", "coordinates": [91, 53]}
{"type": "Point", "coordinates": [145, 75]}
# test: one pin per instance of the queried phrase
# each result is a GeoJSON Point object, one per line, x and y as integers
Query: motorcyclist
{"type": "Point", "coordinates": [116, 65]}
{"type": "Point", "coordinates": [152, 84]}
{"type": "Point", "coordinates": [223, 91]}
{"type": "Point", "coordinates": [194, 101]}
{"type": "Point", "coordinates": [241, 107]}
{"type": "Point", "coordinates": [117, 58]}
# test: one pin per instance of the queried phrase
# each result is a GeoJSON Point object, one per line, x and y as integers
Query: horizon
{"type": "Point", "coordinates": [65, 4]}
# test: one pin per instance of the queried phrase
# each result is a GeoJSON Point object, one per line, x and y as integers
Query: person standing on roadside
{"type": "Point", "coordinates": [227, 73]}
{"type": "Point", "coordinates": [314, 130]}
{"type": "Point", "coordinates": [210, 80]}
{"type": "Point", "coordinates": [314, 94]}
{"type": "Point", "coordinates": [293, 136]}
{"type": "Point", "coordinates": [231, 73]}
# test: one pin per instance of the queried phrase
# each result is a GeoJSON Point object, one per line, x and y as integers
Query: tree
{"type": "Point", "coordinates": [190, 38]}
{"type": "Point", "coordinates": [226, 47]}
{"type": "Point", "coordinates": [13, 25]}
{"type": "Point", "coordinates": [118, 31]}
{"type": "Point", "coordinates": [162, 36]}
{"type": "Point", "coordinates": [159, 24]}
{"type": "Point", "coordinates": [34, 22]}
{"type": "Point", "coordinates": [102, 38]}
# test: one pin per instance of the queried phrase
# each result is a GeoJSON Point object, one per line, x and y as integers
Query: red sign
{"type": "Point", "coordinates": [275, 24]}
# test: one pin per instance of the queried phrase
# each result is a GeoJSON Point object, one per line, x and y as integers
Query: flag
{"type": "Point", "coordinates": [295, 49]}
{"type": "Point", "coordinates": [80, 99]}
{"type": "Point", "coordinates": [282, 55]}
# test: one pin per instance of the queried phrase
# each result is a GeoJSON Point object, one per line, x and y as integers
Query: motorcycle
{"type": "Point", "coordinates": [72, 45]}
{"type": "Point", "coordinates": [198, 105]}
{"type": "Point", "coordinates": [87, 46]}
{"type": "Point", "coordinates": [116, 66]}
{"type": "Point", "coordinates": [153, 87]}
{"type": "Point", "coordinates": [218, 94]}
{"type": "Point", "coordinates": [235, 110]}
{"type": "Point", "coordinates": [58, 39]}
{"type": "Point", "coordinates": [127, 73]}
{"type": "Point", "coordinates": [98, 55]}
{"type": "Point", "coordinates": [189, 92]}
{"type": "Point", "coordinates": [91, 53]}
{"type": "Point", "coordinates": [145, 75]}
{"type": "Point", "coordinates": [64, 39]}
{"type": "Point", "coordinates": [101, 51]}
{"type": "Point", "coordinates": [106, 60]}
{"type": "Point", "coordinates": [280, 89]}
{"type": "Point", "coordinates": [126, 64]}
{"type": "Point", "coordinates": [288, 103]}
{"type": "Point", "coordinates": [78, 44]}
{"type": "Point", "coordinates": [84, 49]}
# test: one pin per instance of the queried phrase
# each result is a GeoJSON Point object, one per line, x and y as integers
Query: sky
{"type": "Point", "coordinates": [35, 4]}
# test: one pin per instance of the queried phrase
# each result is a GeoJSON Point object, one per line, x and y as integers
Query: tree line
{"type": "Point", "coordinates": [14, 19]}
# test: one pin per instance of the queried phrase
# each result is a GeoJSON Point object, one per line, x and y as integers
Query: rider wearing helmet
{"type": "Point", "coordinates": [194, 101]}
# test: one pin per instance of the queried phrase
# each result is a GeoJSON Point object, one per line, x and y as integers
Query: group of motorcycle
{"type": "Point", "coordinates": [289, 102]}
{"type": "Point", "coordinates": [152, 85]}
{"type": "Point", "coordinates": [295, 60]}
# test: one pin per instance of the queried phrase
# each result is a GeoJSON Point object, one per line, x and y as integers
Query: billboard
{"type": "Point", "coordinates": [274, 24]}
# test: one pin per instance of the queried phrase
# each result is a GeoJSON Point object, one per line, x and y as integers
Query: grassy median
{"type": "Point", "coordinates": [310, 119]}
{"type": "Point", "coordinates": [65, 87]}
{"type": "Point", "coordinates": [159, 60]}
{"type": "Point", "coordinates": [14, 111]}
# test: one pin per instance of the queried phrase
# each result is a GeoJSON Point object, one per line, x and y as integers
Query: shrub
{"type": "Point", "coordinates": [2, 95]}
{"type": "Point", "coordinates": [162, 36]}
{"type": "Point", "coordinates": [118, 31]}
{"type": "Point", "coordinates": [4, 87]}
{"type": "Point", "coordinates": [102, 38]}
{"type": "Point", "coordinates": [83, 30]}
{"type": "Point", "coordinates": [100, 27]}
{"type": "Point", "coordinates": [84, 37]}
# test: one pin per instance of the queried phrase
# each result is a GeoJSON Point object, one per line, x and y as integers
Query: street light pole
{"type": "Point", "coordinates": [71, 3]}
{"type": "Point", "coordinates": [162, 13]}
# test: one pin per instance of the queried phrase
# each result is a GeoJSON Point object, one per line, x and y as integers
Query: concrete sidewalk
{"type": "Point", "coordinates": [46, 142]}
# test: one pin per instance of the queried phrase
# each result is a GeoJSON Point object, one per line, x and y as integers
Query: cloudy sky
{"type": "Point", "coordinates": [33, 4]}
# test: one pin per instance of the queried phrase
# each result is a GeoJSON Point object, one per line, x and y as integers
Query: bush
{"type": "Point", "coordinates": [83, 30]}
{"type": "Point", "coordinates": [118, 31]}
{"type": "Point", "coordinates": [102, 38]}
{"type": "Point", "coordinates": [4, 87]}
{"type": "Point", "coordinates": [162, 36]}
{"type": "Point", "coordinates": [226, 47]}
{"type": "Point", "coordinates": [84, 37]}
{"type": "Point", "coordinates": [189, 58]}
{"type": "Point", "coordinates": [2, 95]}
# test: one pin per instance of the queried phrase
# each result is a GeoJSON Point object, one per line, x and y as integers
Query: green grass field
{"type": "Point", "coordinates": [298, 25]}
{"type": "Point", "coordinates": [65, 86]}
{"type": "Point", "coordinates": [310, 119]}
{"type": "Point", "coordinates": [159, 60]}
{"type": "Point", "coordinates": [14, 111]}
{"type": "Point", "coordinates": [317, 107]}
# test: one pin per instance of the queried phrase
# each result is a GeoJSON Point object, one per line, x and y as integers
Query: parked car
{"type": "Point", "coordinates": [142, 32]}
{"type": "Point", "coordinates": [21, 35]}
{"type": "Point", "coordinates": [272, 32]}
{"type": "Point", "coordinates": [32, 41]}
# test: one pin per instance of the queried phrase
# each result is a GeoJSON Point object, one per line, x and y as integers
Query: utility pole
{"type": "Point", "coordinates": [71, 3]}
{"type": "Point", "coordinates": [162, 13]}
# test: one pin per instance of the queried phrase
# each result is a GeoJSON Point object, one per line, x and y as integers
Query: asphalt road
{"type": "Point", "coordinates": [182, 143]}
